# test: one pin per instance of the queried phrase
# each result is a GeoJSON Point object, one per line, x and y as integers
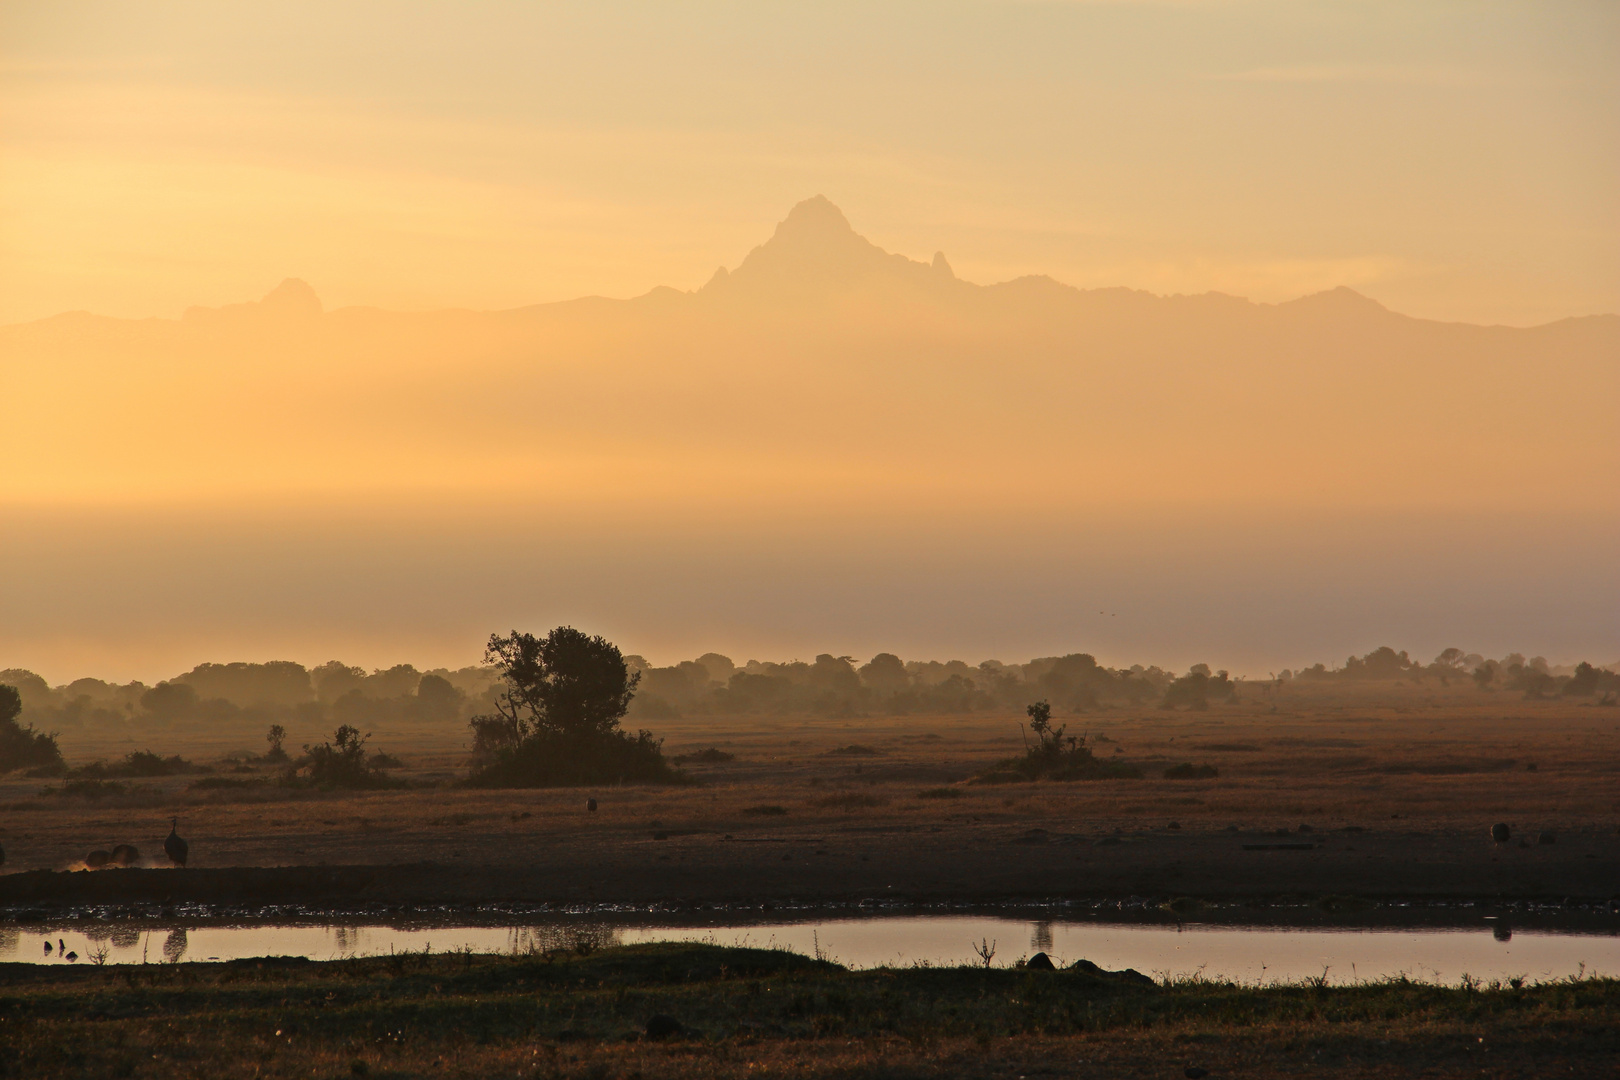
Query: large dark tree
{"type": "Point", "coordinates": [557, 715]}
{"type": "Point", "coordinates": [22, 747]}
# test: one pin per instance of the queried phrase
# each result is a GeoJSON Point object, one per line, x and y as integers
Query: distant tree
{"type": "Point", "coordinates": [557, 715]}
{"type": "Point", "coordinates": [21, 747]}
{"type": "Point", "coordinates": [886, 675]}
{"type": "Point", "coordinates": [170, 701]}
{"type": "Point", "coordinates": [275, 737]}
{"type": "Point", "coordinates": [437, 699]}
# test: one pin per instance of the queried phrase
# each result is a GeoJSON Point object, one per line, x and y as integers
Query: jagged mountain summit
{"type": "Point", "coordinates": [815, 249]}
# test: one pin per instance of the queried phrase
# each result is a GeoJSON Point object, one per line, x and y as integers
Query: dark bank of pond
{"type": "Point", "coordinates": [1445, 945]}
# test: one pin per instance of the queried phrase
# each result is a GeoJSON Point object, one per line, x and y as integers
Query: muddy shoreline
{"type": "Point", "coordinates": [1203, 879]}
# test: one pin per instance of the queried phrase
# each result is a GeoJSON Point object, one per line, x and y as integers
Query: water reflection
{"type": "Point", "coordinates": [1484, 951]}
{"type": "Point", "coordinates": [576, 938]}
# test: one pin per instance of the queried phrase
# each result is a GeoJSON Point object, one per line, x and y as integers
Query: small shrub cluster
{"type": "Point", "coordinates": [1056, 756]}
{"type": "Point", "coordinates": [343, 762]}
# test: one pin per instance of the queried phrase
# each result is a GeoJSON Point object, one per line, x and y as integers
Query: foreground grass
{"type": "Point", "coordinates": [760, 1013]}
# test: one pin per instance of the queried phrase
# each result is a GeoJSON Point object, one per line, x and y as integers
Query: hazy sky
{"type": "Point", "coordinates": [1455, 160]}
{"type": "Point", "coordinates": [921, 468]}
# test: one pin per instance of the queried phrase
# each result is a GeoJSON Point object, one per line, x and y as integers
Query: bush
{"type": "Point", "coordinates": [547, 759]}
{"type": "Point", "coordinates": [765, 811]}
{"type": "Point", "coordinates": [146, 763]}
{"type": "Point", "coordinates": [939, 793]}
{"type": "Point", "coordinates": [21, 747]}
{"type": "Point", "coordinates": [1056, 757]}
{"type": "Point", "coordinates": [1188, 771]}
{"type": "Point", "coordinates": [342, 763]}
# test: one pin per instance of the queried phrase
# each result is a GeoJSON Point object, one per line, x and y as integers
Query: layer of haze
{"type": "Point", "coordinates": [827, 447]}
{"type": "Point", "coordinates": [1454, 159]}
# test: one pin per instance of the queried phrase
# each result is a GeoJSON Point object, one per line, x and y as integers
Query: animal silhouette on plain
{"type": "Point", "coordinates": [175, 847]}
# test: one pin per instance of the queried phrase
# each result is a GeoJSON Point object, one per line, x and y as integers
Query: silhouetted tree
{"type": "Point", "coordinates": [275, 737]}
{"type": "Point", "coordinates": [558, 712]}
{"type": "Point", "coordinates": [21, 747]}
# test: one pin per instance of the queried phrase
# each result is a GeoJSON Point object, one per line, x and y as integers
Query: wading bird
{"type": "Point", "coordinates": [173, 846]}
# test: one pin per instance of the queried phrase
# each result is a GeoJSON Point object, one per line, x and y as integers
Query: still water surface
{"type": "Point", "coordinates": [1239, 953]}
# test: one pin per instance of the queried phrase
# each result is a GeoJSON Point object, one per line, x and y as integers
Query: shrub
{"type": "Point", "coordinates": [939, 793]}
{"type": "Point", "coordinates": [1056, 756]}
{"type": "Point", "coordinates": [765, 811]}
{"type": "Point", "coordinates": [146, 763]}
{"type": "Point", "coordinates": [342, 762]}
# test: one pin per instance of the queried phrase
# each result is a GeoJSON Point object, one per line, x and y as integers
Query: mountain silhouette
{"type": "Point", "coordinates": [821, 355]}
{"type": "Point", "coordinates": [815, 250]}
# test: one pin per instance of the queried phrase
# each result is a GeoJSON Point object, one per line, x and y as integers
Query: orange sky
{"type": "Point", "coordinates": [1454, 160]}
{"type": "Point", "coordinates": [834, 446]}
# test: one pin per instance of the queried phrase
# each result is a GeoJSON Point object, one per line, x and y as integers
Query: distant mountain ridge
{"type": "Point", "coordinates": [815, 255]}
{"type": "Point", "coordinates": [821, 358]}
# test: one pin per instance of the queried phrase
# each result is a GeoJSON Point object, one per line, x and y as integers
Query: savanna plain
{"type": "Point", "coordinates": [1327, 802]}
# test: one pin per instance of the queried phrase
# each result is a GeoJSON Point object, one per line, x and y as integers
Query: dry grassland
{"type": "Point", "coordinates": [1395, 786]}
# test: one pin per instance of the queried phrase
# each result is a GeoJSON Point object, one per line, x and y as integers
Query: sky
{"type": "Point", "coordinates": [1454, 160]}
{"type": "Point", "coordinates": [371, 467]}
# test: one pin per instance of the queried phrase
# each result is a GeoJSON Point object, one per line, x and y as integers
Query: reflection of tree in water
{"type": "Point", "coordinates": [1041, 938]}
{"type": "Point", "coordinates": [1502, 932]}
{"type": "Point", "coordinates": [569, 938]}
{"type": "Point", "coordinates": [347, 938]}
{"type": "Point", "coordinates": [8, 939]}
{"type": "Point", "coordinates": [125, 937]}
{"type": "Point", "coordinates": [174, 946]}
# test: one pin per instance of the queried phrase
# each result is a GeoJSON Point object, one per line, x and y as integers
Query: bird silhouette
{"type": "Point", "coordinates": [72, 956]}
{"type": "Point", "coordinates": [126, 855]}
{"type": "Point", "coordinates": [61, 946]}
{"type": "Point", "coordinates": [173, 846]}
{"type": "Point", "coordinates": [590, 804]}
{"type": "Point", "coordinates": [47, 948]}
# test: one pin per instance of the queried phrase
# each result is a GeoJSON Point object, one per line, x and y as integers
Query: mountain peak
{"type": "Point", "coordinates": [815, 248]}
{"type": "Point", "coordinates": [293, 297]}
{"type": "Point", "coordinates": [814, 218]}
